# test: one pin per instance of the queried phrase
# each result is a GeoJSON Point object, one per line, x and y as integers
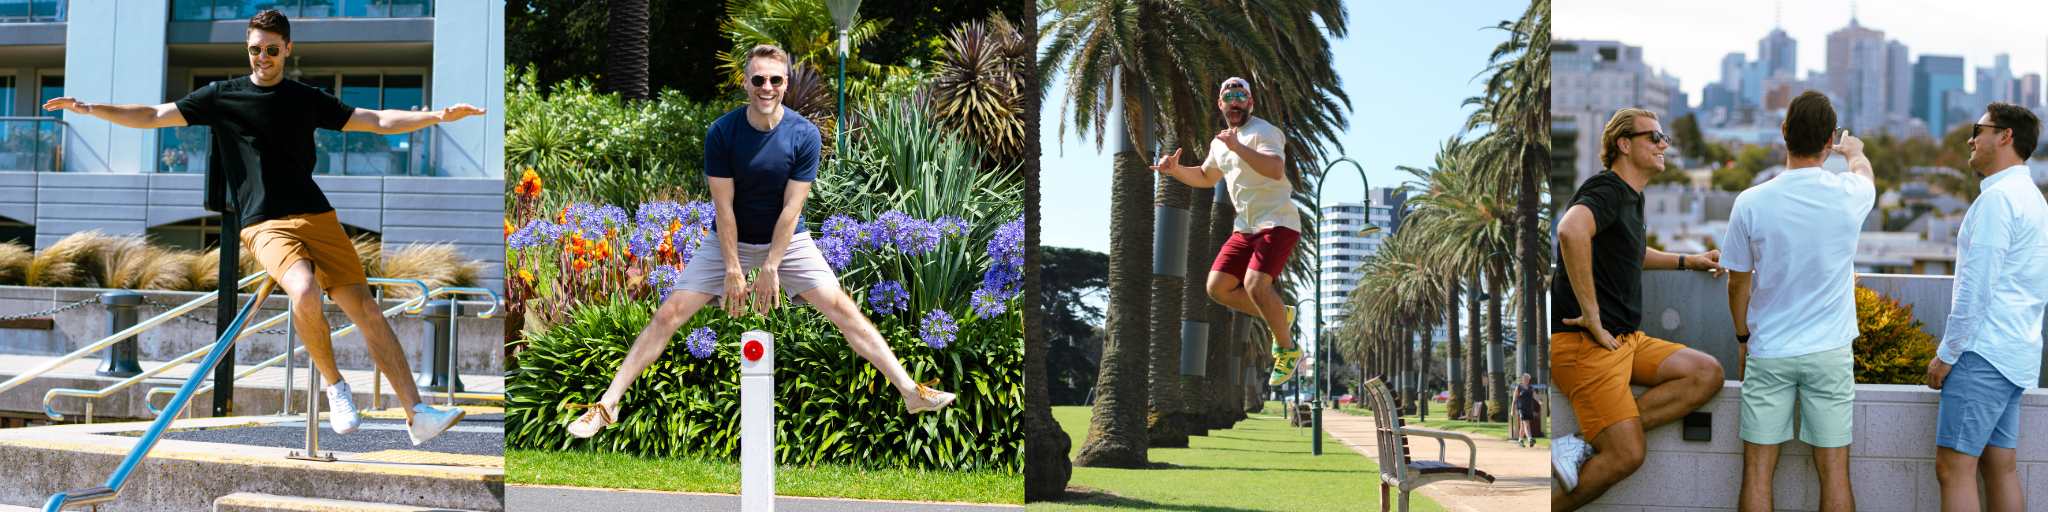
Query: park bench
{"type": "Point", "coordinates": [1399, 471]}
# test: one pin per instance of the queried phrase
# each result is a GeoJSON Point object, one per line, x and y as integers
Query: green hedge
{"type": "Point", "coordinates": [831, 407]}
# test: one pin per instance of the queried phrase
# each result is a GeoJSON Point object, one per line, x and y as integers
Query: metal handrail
{"type": "Point", "coordinates": [174, 362]}
{"type": "Point", "coordinates": [132, 331]}
{"type": "Point", "coordinates": [105, 493]}
{"type": "Point", "coordinates": [454, 314]}
{"type": "Point", "coordinates": [149, 399]}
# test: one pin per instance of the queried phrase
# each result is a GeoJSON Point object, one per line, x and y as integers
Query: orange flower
{"type": "Point", "coordinates": [526, 276]}
{"type": "Point", "coordinates": [562, 217]}
{"type": "Point", "coordinates": [529, 184]}
{"type": "Point", "coordinates": [581, 264]}
{"type": "Point", "coordinates": [508, 228]}
{"type": "Point", "coordinates": [674, 226]}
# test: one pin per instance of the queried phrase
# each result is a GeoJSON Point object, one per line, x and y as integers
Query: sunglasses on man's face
{"type": "Point", "coordinates": [271, 50]}
{"type": "Point", "coordinates": [762, 80]}
{"type": "Point", "coordinates": [1978, 129]}
{"type": "Point", "coordinates": [1236, 97]}
{"type": "Point", "coordinates": [1655, 137]}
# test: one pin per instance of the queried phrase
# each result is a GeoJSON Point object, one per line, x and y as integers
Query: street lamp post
{"type": "Point", "coordinates": [842, 17]}
{"type": "Point", "coordinates": [1322, 356]}
{"type": "Point", "coordinates": [1297, 375]}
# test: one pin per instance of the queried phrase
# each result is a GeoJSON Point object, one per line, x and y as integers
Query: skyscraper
{"type": "Point", "coordinates": [1898, 83]}
{"type": "Point", "coordinates": [1857, 57]}
{"type": "Point", "coordinates": [1779, 54]}
{"type": "Point", "coordinates": [1933, 77]}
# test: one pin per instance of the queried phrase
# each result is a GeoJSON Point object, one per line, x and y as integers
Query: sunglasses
{"type": "Point", "coordinates": [271, 50]}
{"type": "Point", "coordinates": [1235, 97]}
{"type": "Point", "coordinates": [762, 80]}
{"type": "Point", "coordinates": [1655, 137]}
{"type": "Point", "coordinates": [1978, 128]}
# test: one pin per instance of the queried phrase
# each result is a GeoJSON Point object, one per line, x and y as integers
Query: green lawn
{"type": "Point", "coordinates": [1261, 464]}
{"type": "Point", "coordinates": [617, 471]}
{"type": "Point", "coordinates": [1485, 428]}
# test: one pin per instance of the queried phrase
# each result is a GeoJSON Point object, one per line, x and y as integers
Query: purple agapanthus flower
{"type": "Point", "coordinates": [702, 343]}
{"type": "Point", "coordinates": [534, 234]}
{"type": "Point", "coordinates": [937, 329]}
{"type": "Point", "coordinates": [836, 252]}
{"type": "Point", "coordinates": [888, 297]}
{"type": "Point", "coordinates": [952, 226]}
{"type": "Point", "coordinates": [664, 279]}
{"type": "Point", "coordinates": [1007, 246]}
{"type": "Point", "coordinates": [989, 303]}
{"type": "Point", "coordinates": [842, 227]}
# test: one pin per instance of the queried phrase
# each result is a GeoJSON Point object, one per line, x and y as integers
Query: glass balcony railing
{"type": "Point", "coordinates": [185, 150]}
{"type": "Point", "coordinates": [208, 10]}
{"type": "Point", "coordinates": [32, 144]}
{"type": "Point", "coordinates": [31, 11]}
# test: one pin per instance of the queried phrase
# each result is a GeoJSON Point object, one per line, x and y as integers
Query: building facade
{"type": "Point", "coordinates": [68, 173]}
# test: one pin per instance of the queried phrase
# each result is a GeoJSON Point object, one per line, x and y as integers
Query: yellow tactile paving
{"type": "Point", "coordinates": [430, 458]}
{"type": "Point", "coordinates": [399, 414]}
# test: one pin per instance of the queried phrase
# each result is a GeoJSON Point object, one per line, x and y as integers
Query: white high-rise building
{"type": "Point", "coordinates": [1590, 80]}
{"type": "Point", "coordinates": [1346, 241]}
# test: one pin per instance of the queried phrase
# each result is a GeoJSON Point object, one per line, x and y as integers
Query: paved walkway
{"type": "Point", "coordinates": [520, 498]}
{"type": "Point", "coordinates": [1521, 475]}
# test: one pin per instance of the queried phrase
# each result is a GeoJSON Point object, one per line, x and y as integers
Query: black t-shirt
{"type": "Point", "coordinates": [262, 161]}
{"type": "Point", "coordinates": [1617, 257]}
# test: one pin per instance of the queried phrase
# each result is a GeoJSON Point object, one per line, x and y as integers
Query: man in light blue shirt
{"type": "Point", "coordinates": [1991, 349]}
{"type": "Point", "coordinates": [1790, 253]}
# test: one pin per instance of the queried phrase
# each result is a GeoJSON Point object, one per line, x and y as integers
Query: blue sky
{"type": "Point", "coordinates": [1407, 67]}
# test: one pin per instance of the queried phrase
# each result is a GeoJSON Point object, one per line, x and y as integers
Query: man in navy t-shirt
{"type": "Point", "coordinates": [760, 160]}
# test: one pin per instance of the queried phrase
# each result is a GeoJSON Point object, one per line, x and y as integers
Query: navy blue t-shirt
{"type": "Point", "coordinates": [761, 165]}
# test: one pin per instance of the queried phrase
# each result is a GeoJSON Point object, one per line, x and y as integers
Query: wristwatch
{"type": "Point", "coordinates": [1681, 262]}
{"type": "Point", "coordinates": [1742, 339]}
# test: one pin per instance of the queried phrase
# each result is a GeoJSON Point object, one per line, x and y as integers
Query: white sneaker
{"type": "Point", "coordinates": [1566, 455]}
{"type": "Point", "coordinates": [429, 422]}
{"type": "Point", "coordinates": [341, 408]}
{"type": "Point", "coordinates": [928, 399]}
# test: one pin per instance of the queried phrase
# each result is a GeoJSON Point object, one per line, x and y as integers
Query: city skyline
{"type": "Point", "coordinates": [1977, 37]}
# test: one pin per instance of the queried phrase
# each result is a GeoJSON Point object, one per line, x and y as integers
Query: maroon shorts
{"type": "Point", "coordinates": [1265, 251]}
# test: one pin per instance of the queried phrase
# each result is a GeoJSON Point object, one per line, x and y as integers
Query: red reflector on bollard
{"type": "Point", "coordinates": [752, 350]}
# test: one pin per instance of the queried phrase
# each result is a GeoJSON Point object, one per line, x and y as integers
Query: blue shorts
{"type": "Point", "coordinates": [1978, 407]}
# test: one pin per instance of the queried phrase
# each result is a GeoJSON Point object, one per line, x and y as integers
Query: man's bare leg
{"type": "Point", "coordinates": [1229, 291]}
{"type": "Point", "coordinates": [653, 340]}
{"type": "Point", "coordinates": [2002, 488]}
{"type": "Point", "coordinates": [1617, 453]}
{"type": "Point", "coordinates": [1835, 493]}
{"type": "Point", "coordinates": [1266, 295]}
{"type": "Point", "coordinates": [309, 319]}
{"type": "Point", "coordinates": [1759, 463]}
{"type": "Point", "coordinates": [356, 302]}
{"type": "Point", "coordinates": [860, 333]}
{"type": "Point", "coordinates": [1957, 473]}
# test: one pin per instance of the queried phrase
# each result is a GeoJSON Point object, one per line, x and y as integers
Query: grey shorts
{"type": "Point", "coordinates": [803, 267]}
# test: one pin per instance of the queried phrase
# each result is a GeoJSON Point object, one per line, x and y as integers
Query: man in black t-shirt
{"type": "Point", "coordinates": [1596, 350]}
{"type": "Point", "coordinates": [261, 170]}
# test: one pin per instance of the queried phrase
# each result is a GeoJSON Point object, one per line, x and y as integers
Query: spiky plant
{"type": "Point", "coordinates": [979, 86]}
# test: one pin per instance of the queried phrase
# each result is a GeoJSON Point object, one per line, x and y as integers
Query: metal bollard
{"type": "Point", "coordinates": [440, 319]}
{"type": "Point", "coordinates": [757, 422]}
{"type": "Point", "coordinates": [312, 451]}
{"type": "Point", "coordinates": [120, 360]}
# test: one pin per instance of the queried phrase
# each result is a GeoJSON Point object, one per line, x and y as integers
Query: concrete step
{"type": "Point", "coordinates": [257, 502]}
{"type": "Point", "coordinates": [190, 472]}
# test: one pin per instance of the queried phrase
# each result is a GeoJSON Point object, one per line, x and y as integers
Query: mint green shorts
{"type": "Point", "coordinates": [1821, 384]}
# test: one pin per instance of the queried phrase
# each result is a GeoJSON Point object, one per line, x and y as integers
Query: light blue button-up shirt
{"type": "Point", "coordinates": [2001, 282]}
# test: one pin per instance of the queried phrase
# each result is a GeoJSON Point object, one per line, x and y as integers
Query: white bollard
{"type": "Point", "coordinates": [757, 422]}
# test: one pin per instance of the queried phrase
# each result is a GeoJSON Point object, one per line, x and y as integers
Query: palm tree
{"type": "Point", "coordinates": [1468, 212]}
{"type": "Point", "coordinates": [1516, 108]}
{"type": "Point", "coordinates": [1430, 206]}
{"type": "Point", "coordinates": [1194, 311]}
{"type": "Point", "coordinates": [805, 29]}
{"type": "Point", "coordinates": [625, 49]}
{"type": "Point", "coordinates": [1046, 468]}
{"type": "Point", "coordinates": [1225, 346]}
{"type": "Point", "coordinates": [1163, 418]}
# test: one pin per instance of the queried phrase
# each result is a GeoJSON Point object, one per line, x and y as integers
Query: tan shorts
{"type": "Point", "coordinates": [1596, 379]}
{"type": "Point", "coordinates": [803, 266]}
{"type": "Point", "coordinates": [316, 237]}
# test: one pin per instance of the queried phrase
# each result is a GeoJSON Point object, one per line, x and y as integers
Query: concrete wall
{"type": "Point", "coordinates": [1692, 308]}
{"type": "Point", "coordinates": [469, 67]}
{"type": "Point", "coordinates": [1891, 462]}
{"type": "Point", "coordinates": [464, 212]}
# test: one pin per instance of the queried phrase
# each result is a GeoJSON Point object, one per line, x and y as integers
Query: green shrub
{"type": "Point", "coordinates": [603, 149]}
{"type": "Point", "coordinates": [831, 405]}
{"type": "Point", "coordinates": [1890, 346]}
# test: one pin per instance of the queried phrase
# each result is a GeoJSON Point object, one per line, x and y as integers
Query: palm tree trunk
{"type": "Point", "coordinates": [1457, 381]}
{"type": "Point", "coordinates": [1496, 380]}
{"type": "Point", "coordinates": [1116, 430]}
{"type": "Point", "coordinates": [1223, 341]}
{"type": "Point", "coordinates": [1194, 311]}
{"type": "Point", "coordinates": [1422, 371]}
{"type": "Point", "coordinates": [1046, 468]}
{"type": "Point", "coordinates": [1169, 242]}
{"type": "Point", "coordinates": [1537, 162]}
{"type": "Point", "coordinates": [1475, 364]}
{"type": "Point", "coordinates": [625, 50]}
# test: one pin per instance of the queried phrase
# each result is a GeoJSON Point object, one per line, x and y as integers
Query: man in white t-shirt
{"type": "Point", "coordinates": [1790, 253]}
{"type": "Point", "coordinates": [1250, 157]}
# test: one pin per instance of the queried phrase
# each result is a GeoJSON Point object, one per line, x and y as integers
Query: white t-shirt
{"type": "Point", "coordinates": [1262, 203]}
{"type": "Point", "coordinates": [1797, 234]}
